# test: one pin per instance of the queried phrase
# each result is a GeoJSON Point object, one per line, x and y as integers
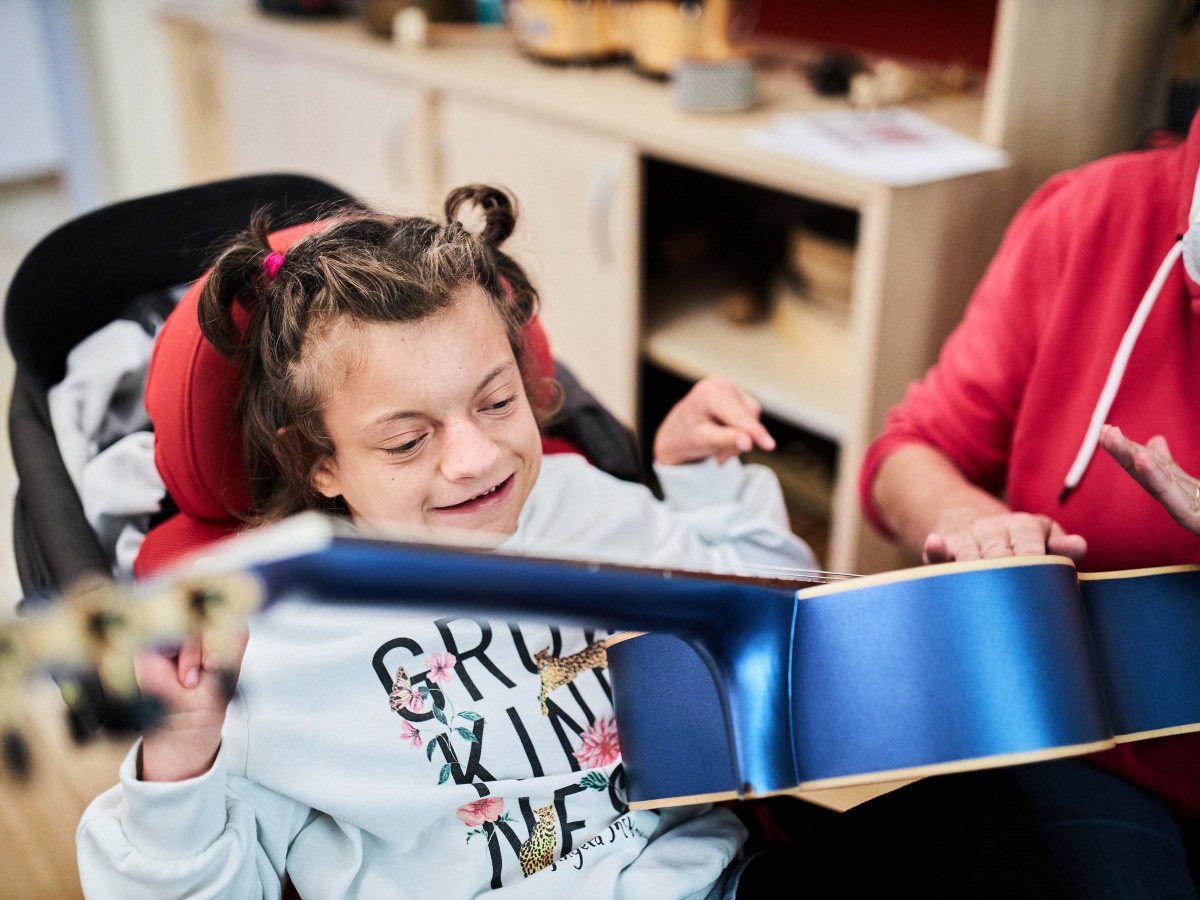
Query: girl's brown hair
{"type": "Point", "coordinates": [363, 268]}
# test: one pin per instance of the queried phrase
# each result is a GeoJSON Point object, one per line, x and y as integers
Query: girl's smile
{"type": "Point", "coordinates": [430, 422]}
{"type": "Point", "coordinates": [493, 496]}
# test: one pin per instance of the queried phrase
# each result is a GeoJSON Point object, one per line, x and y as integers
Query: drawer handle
{"type": "Point", "coordinates": [604, 191]}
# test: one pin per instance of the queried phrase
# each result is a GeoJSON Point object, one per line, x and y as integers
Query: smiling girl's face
{"type": "Point", "coordinates": [430, 423]}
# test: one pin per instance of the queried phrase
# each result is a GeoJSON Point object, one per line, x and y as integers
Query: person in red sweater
{"type": "Point", "coordinates": [1083, 333]}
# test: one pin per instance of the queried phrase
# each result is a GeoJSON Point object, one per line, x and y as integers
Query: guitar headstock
{"type": "Point", "coordinates": [98, 627]}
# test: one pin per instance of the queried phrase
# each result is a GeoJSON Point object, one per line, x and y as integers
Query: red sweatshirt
{"type": "Point", "coordinates": [1010, 397]}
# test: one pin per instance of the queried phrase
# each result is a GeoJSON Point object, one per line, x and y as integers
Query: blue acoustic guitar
{"type": "Point", "coordinates": [773, 685]}
{"type": "Point", "coordinates": [914, 673]}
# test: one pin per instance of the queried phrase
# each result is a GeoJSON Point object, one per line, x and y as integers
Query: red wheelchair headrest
{"type": "Point", "coordinates": [191, 396]}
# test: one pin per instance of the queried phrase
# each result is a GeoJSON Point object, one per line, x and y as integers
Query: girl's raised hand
{"type": "Point", "coordinates": [1154, 468]}
{"type": "Point", "coordinates": [716, 418]}
{"type": "Point", "coordinates": [195, 686]}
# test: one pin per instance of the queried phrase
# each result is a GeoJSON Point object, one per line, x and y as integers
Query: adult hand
{"type": "Point", "coordinates": [1154, 468]}
{"type": "Point", "coordinates": [195, 685]}
{"type": "Point", "coordinates": [716, 418]}
{"type": "Point", "coordinates": [999, 535]}
{"type": "Point", "coordinates": [928, 502]}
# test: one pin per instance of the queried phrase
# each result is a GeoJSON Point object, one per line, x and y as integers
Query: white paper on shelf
{"type": "Point", "coordinates": [895, 146]}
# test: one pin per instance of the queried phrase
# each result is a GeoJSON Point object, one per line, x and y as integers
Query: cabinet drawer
{"type": "Point", "coordinates": [577, 232]}
{"type": "Point", "coordinates": [365, 132]}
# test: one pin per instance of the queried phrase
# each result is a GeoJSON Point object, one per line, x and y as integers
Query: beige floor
{"type": "Point", "coordinates": [38, 816]}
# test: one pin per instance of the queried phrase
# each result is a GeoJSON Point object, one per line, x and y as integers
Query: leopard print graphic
{"type": "Point", "coordinates": [556, 672]}
{"type": "Point", "coordinates": [538, 852]}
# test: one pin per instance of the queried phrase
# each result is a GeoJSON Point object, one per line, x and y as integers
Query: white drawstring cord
{"type": "Point", "coordinates": [1117, 372]}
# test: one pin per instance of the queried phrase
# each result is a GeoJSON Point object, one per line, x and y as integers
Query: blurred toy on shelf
{"type": "Point", "coordinates": [305, 7]}
{"type": "Point", "coordinates": [889, 82]}
{"type": "Point", "coordinates": [723, 85]}
{"type": "Point", "coordinates": [818, 271]}
{"type": "Point", "coordinates": [381, 17]}
{"type": "Point", "coordinates": [654, 36]}
{"type": "Point", "coordinates": [743, 306]}
{"type": "Point", "coordinates": [571, 32]}
{"type": "Point", "coordinates": [829, 73]}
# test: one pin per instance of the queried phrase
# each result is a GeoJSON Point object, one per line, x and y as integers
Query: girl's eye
{"type": "Point", "coordinates": [502, 404]}
{"type": "Point", "coordinates": [407, 447]}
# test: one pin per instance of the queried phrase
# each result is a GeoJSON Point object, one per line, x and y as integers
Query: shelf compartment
{"type": "Point", "coordinates": [805, 464]}
{"type": "Point", "coordinates": [797, 366]}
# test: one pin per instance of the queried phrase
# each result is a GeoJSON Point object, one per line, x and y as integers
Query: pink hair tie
{"type": "Point", "coordinates": [272, 263]}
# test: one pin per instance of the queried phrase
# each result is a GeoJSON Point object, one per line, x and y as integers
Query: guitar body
{"type": "Point", "coordinates": [671, 721]}
{"type": "Point", "coordinates": [1145, 626]}
{"type": "Point", "coordinates": [922, 672]}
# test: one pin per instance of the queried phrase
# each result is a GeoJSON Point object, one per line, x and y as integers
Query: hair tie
{"type": "Point", "coordinates": [272, 263]}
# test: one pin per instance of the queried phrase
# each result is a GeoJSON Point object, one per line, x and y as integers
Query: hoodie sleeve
{"type": "Point", "coordinates": [966, 404]}
{"type": "Point", "coordinates": [214, 836]}
{"type": "Point", "coordinates": [736, 510]}
{"type": "Point", "coordinates": [727, 518]}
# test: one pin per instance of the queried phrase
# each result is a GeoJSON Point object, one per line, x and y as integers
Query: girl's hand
{"type": "Point", "coordinates": [1000, 535]}
{"type": "Point", "coordinates": [716, 418]}
{"type": "Point", "coordinates": [196, 688]}
{"type": "Point", "coordinates": [1155, 469]}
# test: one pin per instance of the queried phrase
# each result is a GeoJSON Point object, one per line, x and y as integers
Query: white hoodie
{"type": "Point", "coordinates": [373, 754]}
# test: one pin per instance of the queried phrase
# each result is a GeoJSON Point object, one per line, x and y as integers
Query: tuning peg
{"type": "Point", "coordinates": [89, 641]}
{"type": "Point", "coordinates": [79, 715]}
{"type": "Point", "coordinates": [214, 608]}
{"type": "Point", "coordinates": [16, 754]}
{"type": "Point", "coordinates": [13, 664]}
{"type": "Point", "coordinates": [110, 635]}
{"type": "Point", "coordinates": [134, 715]}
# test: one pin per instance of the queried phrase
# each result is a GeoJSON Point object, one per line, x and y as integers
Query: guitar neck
{"type": "Point", "coordinates": [96, 628]}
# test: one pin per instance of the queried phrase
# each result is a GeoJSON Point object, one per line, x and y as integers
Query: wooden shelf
{"type": "Point", "coordinates": [483, 64]}
{"type": "Point", "coordinates": [800, 374]}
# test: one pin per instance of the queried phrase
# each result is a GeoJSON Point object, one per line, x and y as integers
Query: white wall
{"type": "Point", "coordinates": [30, 143]}
{"type": "Point", "coordinates": [139, 119]}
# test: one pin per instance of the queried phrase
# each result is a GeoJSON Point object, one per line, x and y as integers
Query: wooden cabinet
{"type": "Point", "coordinates": [195, 60]}
{"type": "Point", "coordinates": [258, 107]}
{"type": "Point", "coordinates": [400, 128]}
{"type": "Point", "coordinates": [577, 232]}
{"type": "Point", "coordinates": [367, 133]}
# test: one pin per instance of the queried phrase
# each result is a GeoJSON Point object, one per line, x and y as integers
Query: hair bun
{"type": "Point", "coordinates": [496, 205]}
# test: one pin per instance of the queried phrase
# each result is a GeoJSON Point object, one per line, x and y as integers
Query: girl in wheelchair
{"type": "Point", "coordinates": [386, 376]}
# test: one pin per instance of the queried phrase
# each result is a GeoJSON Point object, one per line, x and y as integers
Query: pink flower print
{"type": "Point", "coordinates": [485, 809]}
{"type": "Point", "coordinates": [410, 734]}
{"type": "Point", "coordinates": [440, 666]}
{"type": "Point", "coordinates": [600, 746]}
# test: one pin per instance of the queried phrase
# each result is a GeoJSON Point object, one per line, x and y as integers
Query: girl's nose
{"type": "Point", "coordinates": [468, 452]}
